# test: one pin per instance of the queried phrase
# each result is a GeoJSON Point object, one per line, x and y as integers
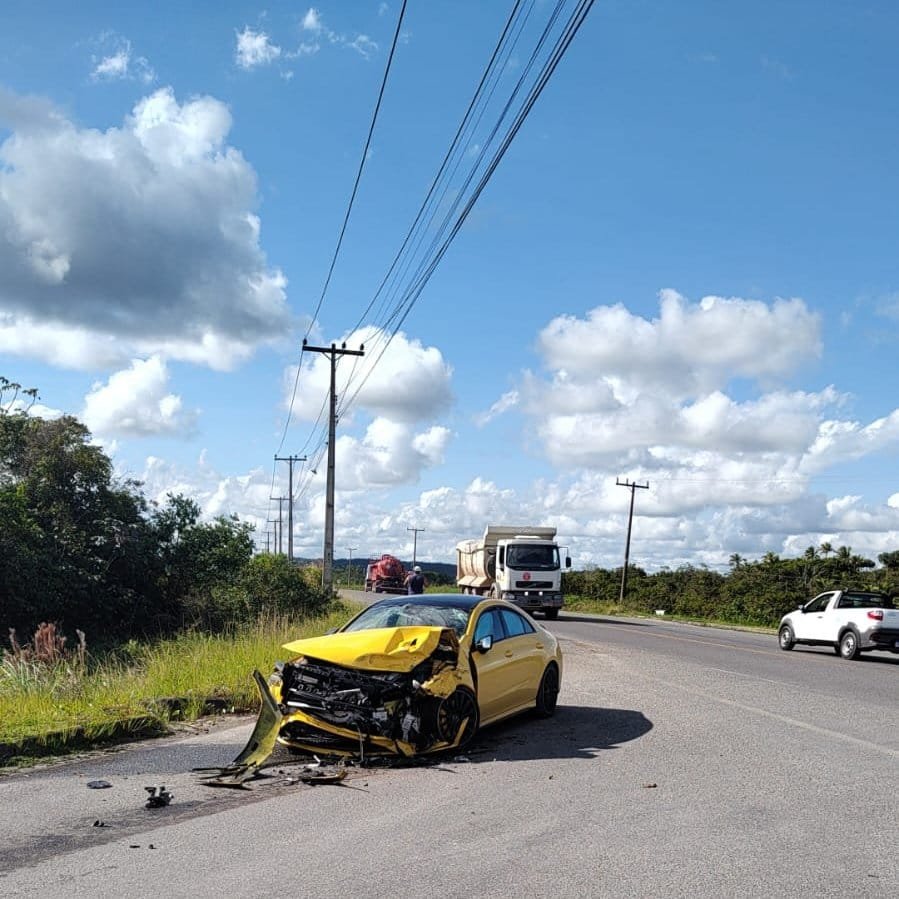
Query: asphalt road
{"type": "Point", "coordinates": [682, 761]}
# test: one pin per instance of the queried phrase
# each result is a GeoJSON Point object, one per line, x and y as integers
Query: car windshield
{"type": "Point", "coordinates": [539, 558]}
{"type": "Point", "coordinates": [403, 614]}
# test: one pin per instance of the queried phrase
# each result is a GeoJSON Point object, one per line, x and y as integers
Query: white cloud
{"type": "Point", "coordinates": [254, 48]}
{"type": "Point", "coordinates": [312, 20]}
{"type": "Point", "coordinates": [690, 349]}
{"type": "Point", "coordinates": [507, 401]}
{"type": "Point", "coordinates": [142, 239]}
{"type": "Point", "coordinates": [121, 63]}
{"type": "Point", "coordinates": [391, 453]}
{"type": "Point", "coordinates": [136, 403]}
{"type": "Point", "coordinates": [314, 24]}
{"type": "Point", "coordinates": [408, 383]}
{"type": "Point", "coordinates": [363, 45]}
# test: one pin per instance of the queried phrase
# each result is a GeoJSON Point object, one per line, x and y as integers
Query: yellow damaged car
{"type": "Point", "coordinates": [408, 675]}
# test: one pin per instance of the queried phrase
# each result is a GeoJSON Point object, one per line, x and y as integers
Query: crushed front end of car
{"type": "Point", "coordinates": [401, 691]}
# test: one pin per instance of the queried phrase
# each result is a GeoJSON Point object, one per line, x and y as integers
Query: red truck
{"type": "Point", "coordinates": [386, 575]}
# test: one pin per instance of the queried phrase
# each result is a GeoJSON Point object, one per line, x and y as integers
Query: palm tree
{"type": "Point", "coordinates": [826, 548]}
{"type": "Point", "coordinates": [736, 560]}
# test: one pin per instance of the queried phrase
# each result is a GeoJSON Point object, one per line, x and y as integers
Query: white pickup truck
{"type": "Point", "coordinates": [851, 621]}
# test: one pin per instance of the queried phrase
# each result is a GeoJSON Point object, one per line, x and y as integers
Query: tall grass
{"type": "Point", "coordinates": [66, 701]}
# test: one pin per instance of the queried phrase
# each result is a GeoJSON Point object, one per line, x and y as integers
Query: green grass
{"type": "Point", "coordinates": [67, 705]}
{"type": "Point", "coordinates": [603, 607]}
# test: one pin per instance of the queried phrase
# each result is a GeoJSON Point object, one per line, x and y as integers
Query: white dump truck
{"type": "Point", "coordinates": [520, 564]}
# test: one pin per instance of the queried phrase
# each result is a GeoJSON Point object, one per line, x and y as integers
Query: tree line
{"type": "Point", "coordinates": [86, 550]}
{"type": "Point", "coordinates": [752, 592]}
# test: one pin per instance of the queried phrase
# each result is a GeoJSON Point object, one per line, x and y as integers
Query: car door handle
{"type": "Point", "coordinates": [508, 653]}
{"type": "Point", "coordinates": [539, 646]}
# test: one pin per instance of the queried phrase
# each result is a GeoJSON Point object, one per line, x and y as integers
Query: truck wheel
{"type": "Point", "coordinates": [785, 637]}
{"type": "Point", "coordinates": [849, 646]}
{"type": "Point", "coordinates": [551, 614]}
{"type": "Point", "coordinates": [548, 691]}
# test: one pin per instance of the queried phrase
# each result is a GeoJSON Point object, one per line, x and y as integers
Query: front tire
{"type": "Point", "coordinates": [786, 638]}
{"type": "Point", "coordinates": [548, 692]}
{"type": "Point", "coordinates": [551, 614]}
{"type": "Point", "coordinates": [460, 705]}
{"type": "Point", "coordinates": [849, 649]}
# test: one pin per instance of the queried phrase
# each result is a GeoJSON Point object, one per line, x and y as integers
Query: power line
{"type": "Point", "coordinates": [346, 218]}
{"type": "Point", "coordinates": [424, 272]}
{"type": "Point", "coordinates": [371, 131]}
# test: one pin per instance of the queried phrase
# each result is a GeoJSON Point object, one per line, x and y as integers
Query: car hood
{"type": "Point", "coordinates": [379, 649]}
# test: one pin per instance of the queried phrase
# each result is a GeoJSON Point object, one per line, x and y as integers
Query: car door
{"type": "Point", "coordinates": [525, 651]}
{"type": "Point", "coordinates": [489, 666]}
{"type": "Point", "coordinates": [813, 623]}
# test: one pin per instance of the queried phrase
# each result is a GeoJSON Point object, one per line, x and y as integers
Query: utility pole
{"type": "Point", "coordinates": [276, 534]}
{"type": "Point", "coordinates": [328, 553]}
{"type": "Point", "coordinates": [349, 565]}
{"type": "Point", "coordinates": [290, 460]}
{"type": "Point", "coordinates": [415, 533]}
{"type": "Point", "coordinates": [280, 500]}
{"type": "Point", "coordinates": [632, 486]}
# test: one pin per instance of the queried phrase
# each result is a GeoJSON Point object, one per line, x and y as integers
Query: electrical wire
{"type": "Point", "coordinates": [414, 291]}
{"type": "Point", "coordinates": [343, 228]}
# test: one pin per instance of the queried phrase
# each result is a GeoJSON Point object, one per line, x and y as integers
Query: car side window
{"type": "Point", "coordinates": [489, 625]}
{"type": "Point", "coordinates": [819, 603]}
{"type": "Point", "coordinates": [515, 624]}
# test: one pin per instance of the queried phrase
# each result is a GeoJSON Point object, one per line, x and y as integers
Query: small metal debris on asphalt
{"type": "Point", "coordinates": [99, 784]}
{"type": "Point", "coordinates": [159, 797]}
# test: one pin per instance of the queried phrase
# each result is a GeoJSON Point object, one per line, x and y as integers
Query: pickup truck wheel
{"type": "Point", "coordinates": [548, 691]}
{"type": "Point", "coordinates": [551, 614]}
{"type": "Point", "coordinates": [786, 638]}
{"type": "Point", "coordinates": [849, 646]}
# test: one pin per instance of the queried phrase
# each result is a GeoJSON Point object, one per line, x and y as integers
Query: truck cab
{"type": "Point", "coordinates": [520, 564]}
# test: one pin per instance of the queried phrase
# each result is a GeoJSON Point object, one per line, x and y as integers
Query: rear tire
{"type": "Point", "coordinates": [551, 614]}
{"type": "Point", "coordinates": [785, 637]}
{"type": "Point", "coordinates": [548, 692]}
{"type": "Point", "coordinates": [849, 646]}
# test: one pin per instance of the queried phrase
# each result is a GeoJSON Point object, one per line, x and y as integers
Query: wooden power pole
{"type": "Point", "coordinates": [328, 553]}
{"type": "Point", "coordinates": [632, 486]}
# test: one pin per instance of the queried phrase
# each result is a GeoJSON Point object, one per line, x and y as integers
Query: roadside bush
{"type": "Point", "coordinates": [274, 586]}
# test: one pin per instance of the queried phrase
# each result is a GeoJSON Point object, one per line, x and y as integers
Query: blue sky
{"type": "Point", "coordinates": [683, 270]}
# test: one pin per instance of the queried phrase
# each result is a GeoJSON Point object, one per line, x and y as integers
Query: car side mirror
{"type": "Point", "coordinates": [800, 609]}
{"type": "Point", "coordinates": [331, 630]}
{"type": "Point", "coordinates": [485, 644]}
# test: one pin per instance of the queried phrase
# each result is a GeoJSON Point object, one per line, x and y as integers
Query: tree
{"type": "Point", "coordinates": [67, 527]}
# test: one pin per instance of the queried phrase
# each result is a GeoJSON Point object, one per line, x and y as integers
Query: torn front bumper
{"type": "Point", "coordinates": [396, 691]}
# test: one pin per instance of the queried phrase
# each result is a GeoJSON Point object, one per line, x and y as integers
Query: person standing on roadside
{"type": "Point", "coordinates": [415, 581]}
